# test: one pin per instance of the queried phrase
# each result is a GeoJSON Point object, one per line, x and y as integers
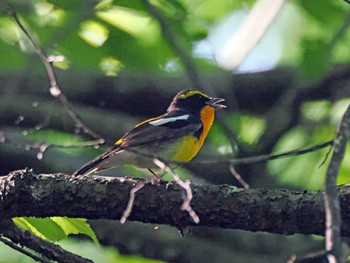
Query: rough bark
{"type": "Point", "coordinates": [24, 193]}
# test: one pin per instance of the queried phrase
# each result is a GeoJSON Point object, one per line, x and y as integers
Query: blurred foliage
{"type": "Point", "coordinates": [120, 38]}
{"type": "Point", "coordinates": [99, 254]}
{"type": "Point", "coordinates": [109, 36]}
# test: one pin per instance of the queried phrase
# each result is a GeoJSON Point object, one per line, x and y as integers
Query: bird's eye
{"type": "Point", "coordinates": [203, 98]}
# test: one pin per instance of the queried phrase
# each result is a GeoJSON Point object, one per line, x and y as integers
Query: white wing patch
{"type": "Point", "coordinates": [167, 120]}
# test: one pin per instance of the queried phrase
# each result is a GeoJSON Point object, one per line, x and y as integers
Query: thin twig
{"type": "Point", "coordinates": [326, 156]}
{"type": "Point", "coordinates": [268, 157]}
{"type": "Point", "coordinates": [318, 256]}
{"type": "Point", "coordinates": [55, 89]}
{"type": "Point", "coordinates": [93, 143]}
{"type": "Point", "coordinates": [246, 160]}
{"type": "Point", "coordinates": [331, 198]}
{"type": "Point", "coordinates": [185, 185]}
{"type": "Point", "coordinates": [42, 147]}
{"type": "Point", "coordinates": [23, 251]}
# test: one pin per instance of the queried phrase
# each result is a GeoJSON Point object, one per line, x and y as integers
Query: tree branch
{"type": "Point", "coordinates": [24, 193]}
{"type": "Point", "coordinates": [23, 251]}
{"type": "Point", "coordinates": [332, 207]}
{"type": "Point", "coordinates": [47, 249]}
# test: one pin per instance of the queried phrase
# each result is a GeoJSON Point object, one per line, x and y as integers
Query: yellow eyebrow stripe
{"type": "Point", "coordinates": [191, 93]}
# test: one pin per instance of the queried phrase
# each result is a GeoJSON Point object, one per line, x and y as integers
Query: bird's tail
{"type": "Point", "coordinates": [96, 164]}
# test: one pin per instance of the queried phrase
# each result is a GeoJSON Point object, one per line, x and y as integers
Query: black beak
{"type": "Point", "coordinates": [216, 103]}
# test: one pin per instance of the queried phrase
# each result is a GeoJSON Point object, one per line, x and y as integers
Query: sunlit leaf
{"type": "Point", "coordinates": [43, 227]}
{"type": "Point", "coordinates": [48, 14]}
{"type": "Point", "coordinates": [316, 110]}
{"type": "Point", "coordinates": [93, 33]}
{"type": "Point", "coordinates": [110, 66]}
{"type": "Point", "coordinates": [104, 5]}
{"type": "Point", "coordinates": [9, 32]}
{"type": "Point", "coordinates": [133, 22]}
{"type": "Point", "coordinates": [75, 226]}
{"type": "Point", "coordinates": [251, 128]}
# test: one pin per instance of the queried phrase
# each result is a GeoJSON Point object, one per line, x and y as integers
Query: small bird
{"type": "Point", "coordinates": [175, 136]}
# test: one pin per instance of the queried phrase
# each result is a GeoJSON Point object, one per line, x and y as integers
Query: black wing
{"type": "Point", "coordinates": [169, 126]}
{"type": "Point", "coordinates": [166, 127]}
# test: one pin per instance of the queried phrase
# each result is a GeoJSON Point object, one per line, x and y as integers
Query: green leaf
{"type": "Point", "coordinates": [315, 60]}
{"type": "Point", "coordinates": [316, 110]}
{"type": "Point", "coordinates": [56, 228]}
{"type": "Point", "coordinates": [76, 226]}
{"type": "Point", "coordinates": [213, 9]}
{"type": "Point", "coordinates": [135, 23]}
{"type": "Point", "coordinates": [45, 228]}
{"type": "Point", "coordinates": [326, 12]}
{"type": "Point", "coordinates": [11, 58]}
{"type": "Point", "coordinates": [21, 222]}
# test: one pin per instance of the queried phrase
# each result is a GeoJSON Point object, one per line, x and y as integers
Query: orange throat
{"type": "Point", "coordinates": [207, 117]}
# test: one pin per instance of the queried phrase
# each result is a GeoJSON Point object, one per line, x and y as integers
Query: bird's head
{"type": "Point", "coordinates": [194, 101]}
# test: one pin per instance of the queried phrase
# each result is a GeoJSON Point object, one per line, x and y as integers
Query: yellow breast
{"type": "Point", "coordinates": [190, 145]}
